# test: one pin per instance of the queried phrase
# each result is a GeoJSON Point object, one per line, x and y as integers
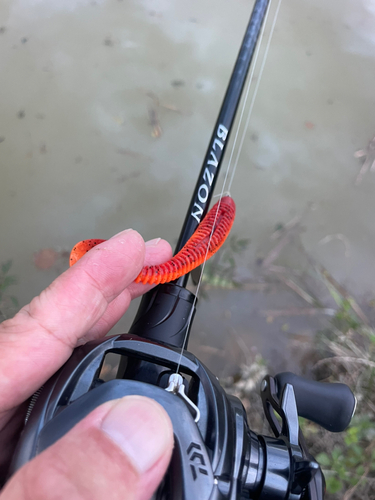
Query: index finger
{"type": "Point", "coordinates": [41, 336]}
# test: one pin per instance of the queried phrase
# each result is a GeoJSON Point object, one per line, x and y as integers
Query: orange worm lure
{"type": "Point", "coordinates": [207, 239]}
{"type": "Point", "coordinates": [81, 248]}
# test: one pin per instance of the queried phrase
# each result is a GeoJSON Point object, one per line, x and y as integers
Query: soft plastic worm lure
{"type": "Point", "coordinates": [207, 239]}
{"type": "Point", "coordinates": [81, 248]}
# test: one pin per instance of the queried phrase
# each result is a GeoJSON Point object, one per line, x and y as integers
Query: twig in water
{"type": "Point", "coordinates": [274, 253]}
{"type": "Point", "coordinates": [159, 103]}
{"type": "Point", "coordinates": [209, 349]}
{"type": "Point", "coordinates": [298, 311]}
{"type": "Point", "coordinates": [289, 225]}
{"type": "Point", "coordinates": [344, 359]}
{"type": "Point", "coordinates": [154, 122]}
{"type": "Point", "coordinates": [369, 154]}
{"type": "Point", "coordinates": [331, 283]}
{"type": "Point", "coordinates": [340, 237]}
{"type": "Point", "coordinates": [278, 269]}
{"type": "Point", "coordinates": [288, 231]}
{"type": "Point", "coordinates": [341, 290]}
{"type": "Point", "coordinates": [133, 154]}
{"type": "Point", "coordinates": [297, 289]}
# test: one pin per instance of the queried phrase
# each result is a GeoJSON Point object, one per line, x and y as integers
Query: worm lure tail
{"type": "Point", "coordinates": [81, 248]}
{"type": "Point", "coordinates": [207, 239]}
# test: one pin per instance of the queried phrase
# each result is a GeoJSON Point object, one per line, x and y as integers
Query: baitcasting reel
{"type": "Point", "coordinates": [216, 455]}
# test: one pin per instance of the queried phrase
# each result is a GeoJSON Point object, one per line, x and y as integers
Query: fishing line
{"type": "Point", "coordinates": [253, 98]}
{"type": "Point", "coordinates": [231, 155]}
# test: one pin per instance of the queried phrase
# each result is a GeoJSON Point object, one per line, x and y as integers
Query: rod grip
{"type": "Point", "coordinates": [330, 405]}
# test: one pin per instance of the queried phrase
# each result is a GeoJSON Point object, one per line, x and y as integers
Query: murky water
{"type": "Point", "coordinates": [79, 157]}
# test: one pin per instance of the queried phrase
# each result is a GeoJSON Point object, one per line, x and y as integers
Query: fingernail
{"type": "Point", "coordinates": [141, 428]}
{"type": "Point", "coordinates": [122, 232]}
{"type": "Point", "coordinates": [152, 243]}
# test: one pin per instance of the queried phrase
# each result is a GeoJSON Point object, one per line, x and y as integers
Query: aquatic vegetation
{"type": "Point", "coordinates": [221, 270]}
{"type": "Point", "coordinates": [8, 303]}
{"type": "Point", "coordinates": [344, 351]}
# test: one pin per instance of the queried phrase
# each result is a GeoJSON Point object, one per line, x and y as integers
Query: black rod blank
{"type": "Point", "coordinates": [208, 175]}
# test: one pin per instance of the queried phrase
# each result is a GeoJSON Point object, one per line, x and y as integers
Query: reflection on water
{"type": "Point", "coordinates": [107, 108]}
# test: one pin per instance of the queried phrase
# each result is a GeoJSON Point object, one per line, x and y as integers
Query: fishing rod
{"type": "Point", "coordinates": [208, 175]}
{"type": "Point", "coordinates": [166, 312]}
{"type": "Point", "coordinates": [216, 455]}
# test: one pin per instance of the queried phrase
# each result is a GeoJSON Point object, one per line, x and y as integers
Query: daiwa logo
{"type": "Point", "coordinates": [209, 171]}
{"type": "Point", "coordinates": [196, 459]}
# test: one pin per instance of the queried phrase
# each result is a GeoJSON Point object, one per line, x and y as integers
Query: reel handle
{"type": "Point", "coordinates": [329, 405]}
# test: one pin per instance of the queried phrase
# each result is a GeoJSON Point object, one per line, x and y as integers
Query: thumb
{"type": "Point", "coordinates": [121, 450]}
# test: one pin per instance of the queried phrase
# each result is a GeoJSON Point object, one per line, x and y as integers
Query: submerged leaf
{"type": "Point", "coordinates": [6, 266]}
{"type": "Point", "coordinates": [7, 282]}
{"type": "Point", "coordinates": [45, 259]}
{"type": "Point", "coordinates": [14, 301]}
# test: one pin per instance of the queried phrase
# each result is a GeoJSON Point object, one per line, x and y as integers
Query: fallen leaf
{"type": "Point", "coordinates": [45, 259]}
{"type": "Point", "coordinates": [309, 125]}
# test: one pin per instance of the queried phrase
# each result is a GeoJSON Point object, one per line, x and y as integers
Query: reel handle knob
{"type": "Point", "coordinates": [329, 405]}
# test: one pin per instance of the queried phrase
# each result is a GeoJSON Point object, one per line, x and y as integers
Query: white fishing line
{"type": "Point", "coordinates": [232, 152]}
{"type": "Point", "coordinates": [254, 96]}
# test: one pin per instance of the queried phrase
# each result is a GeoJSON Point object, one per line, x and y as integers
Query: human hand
{"type": "Point", "coordinates": [122, 449]}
